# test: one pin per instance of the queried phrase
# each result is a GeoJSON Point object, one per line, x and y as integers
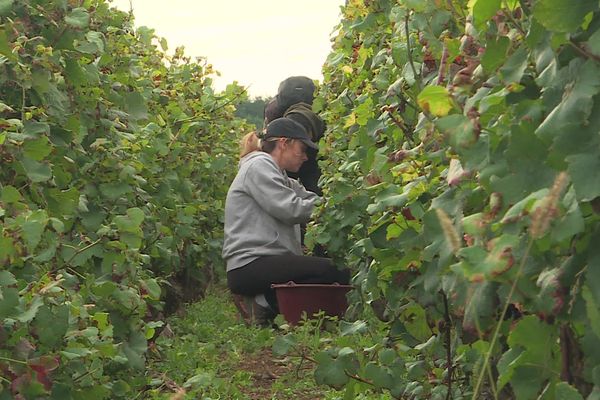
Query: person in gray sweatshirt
{"type": "Point", "coordinates": [263, 212]}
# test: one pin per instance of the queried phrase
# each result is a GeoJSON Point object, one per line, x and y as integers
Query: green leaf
{"type": "Point", "coordinates": [330, 371]}
{"type": "Point", "coordinates": [483, 10]}
{"type": "Point", "coordinates": [523, 207]}
{"type": "Point", "coordinates": [512, 71]}
{"type": "Point", "coordinates": [7, 279]}
{"type": "Point", "coordinates": [78, 18]}
{"type": "Point", "coordinates": [479, 304]}
{"type": "Point", "coordinates": [539, 346]}
{"type": "Point", "coordinates": [198, 381]}
{"type": "Point", "coordinates": [593, 310]}
{"type": "Point", "coordinates": [5, 7]}
{"type": "Point", "coordinates": [7, 248]}
{"type": "Point", "coordinates": [495, 53]}
{"type": "Point", "coordinates": [37, 149]}
{"type": "Point", "coordinates": [93, 44]}
{"type": "Point", "coordinates": [8, 302]}
{"type": "Point", "coordinates": [587, 185]}
{"type": "Point", "coordinates": [417, 5]}
{"type": "Point", "coordinates": [33, 228]}
{"type": "Point", "coordinates": [130, 223]}
{"type": "Point", "coordinates": [593, 43]}
{"type": "Point", "coordinates": [380, 376]}
{"type": "Point", "coordinates": [435, 100]}
{"type": "Point", "coordinates": [5, 48]}
{"type": "Point", "coordinates": [153, 288]}
{"type": "Point", "coordinates": [393, 231]}
{"type": "Point", "coordinates": [31, 311]}
{"type": "Point", "coordinates": [101, 319]}
{"type": "Point", "coordinates": [564, 391]}
{"type": "Point", "coordinates": [134, 350]}
{"type": "Point", "coordinates": [563, 15]}
{"type": "Point", "coordinates": [415, 321]}
{"type": "Point", "coordinates": [572, 223]}
{"type": "Point", "coordinates": [136, 106]}
{"type": "Point", "coordinates": [507, 365]}
{"type": "Point", "coordinates": [74, 73]}
{"type": "Point", "coordinates": [459, 129]}
{"type": "Point", "coordinates": [10, 194]}
{"type": "Point", "coordinates": [114, 190]}
{"type": "Point", "coordinates": [136, 215]}
{"type": "Point", "coordinates": [34, 129]}
{"type": "Point", "coordinates": [352, 328]}
{"type": "Point", "coordinates": [163, 44]}
{"type": "Point", "coordinates": [576, 104]}
{"type": "Point", "coordinates": [283, 344]}
{"type": "Point", "coordinates": [37, 171]}
{"type": "Point", "coordinates": [62, 202]}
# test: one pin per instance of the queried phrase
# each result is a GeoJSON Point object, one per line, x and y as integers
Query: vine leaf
{"type": "Point", "coordinates": [380, 376]}
{"type": "Point", "coordinates": [436, 100]}
{"type": "Point", "coordinates": [576, 105]}
{"type": "Point", "coordinates": [593, 310]}
{"type": "Point", "coordinates": [594, 43]}
{"type": "Point", "coordinates": [564, 391]}
{"type": "Point", "coordinates": [459, 129]}
{"type": "Point", "coordinates": [483, 10]}
{"type": "Point", "coordinates": [37, 149]}
{"type": "Point", "coordinates": [136, 105]}
{"type": "Point", "coordinates": [78, 18]}
{"type": "Point", "coordinates": [515, 66]}
{"type": "Point", "coordinates": [9, 194]}
{"type": "Point", "coordinates": [5, 6]}
{"type": "Point", "coordinates": [37, 171]}
{"type": "Point", "coordinates": [332, 368]}
{"type": "Point", "coordinates": [495, 53]}
{"type": "Point", "coordinates": [587, 186]}
{"type": "Point", "coordinates": [563, 15]}
{"type": "Point", "coordinates": [5, 46]}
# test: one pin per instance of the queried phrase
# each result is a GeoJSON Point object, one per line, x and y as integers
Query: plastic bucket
{"type": "Point", "coordinates": [294, 299]}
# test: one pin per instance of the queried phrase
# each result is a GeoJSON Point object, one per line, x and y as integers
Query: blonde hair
{"type": "Point", "coordinates": [249, 143]}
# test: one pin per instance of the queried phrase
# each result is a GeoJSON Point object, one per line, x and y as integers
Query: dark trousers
{"type": "Point", "coordinates": [256, 277]}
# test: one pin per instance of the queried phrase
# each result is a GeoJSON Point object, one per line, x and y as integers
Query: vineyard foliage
{"type": "Point", "coordinates": [115, 162]}
{"type": "Point", "coordinates": [462, 185]}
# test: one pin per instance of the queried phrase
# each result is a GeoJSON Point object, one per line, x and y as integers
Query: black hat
{"type": "Point", "coordinates": [295, 89]}
{"type": "Point", "coordinates": [285, 127]}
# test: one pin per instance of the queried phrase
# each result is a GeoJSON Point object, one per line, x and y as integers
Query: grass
{"type": "Point", "coordinates": [210, 354]}
{"type": "Point", "coordinates": [206, 352]}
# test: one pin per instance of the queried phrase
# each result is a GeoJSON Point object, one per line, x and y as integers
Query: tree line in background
{"type": "Point", "coordinates": [252, 110]}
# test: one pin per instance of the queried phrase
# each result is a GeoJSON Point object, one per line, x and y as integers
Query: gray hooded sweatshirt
{"type": "Point", "coordinates": [263, 210]}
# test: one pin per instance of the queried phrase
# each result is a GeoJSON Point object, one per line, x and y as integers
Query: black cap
{"type": "Point", "coordinates": [295, 89]}
{"type": "Point", "coordinates": [285, 127]}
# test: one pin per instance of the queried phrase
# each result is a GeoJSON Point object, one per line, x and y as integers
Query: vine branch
{"type": "Point", "coordinates": [409, 51]}
{"type": "Point", "coordinates": [448, 334]}
{"type": "Point", "coordinates": [89, 246]}
{"type": "Point", "coordinates": [582, 51]}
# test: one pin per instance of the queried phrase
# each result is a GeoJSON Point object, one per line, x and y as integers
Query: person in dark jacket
{"type": "Point", "coordinates": [294, 100]}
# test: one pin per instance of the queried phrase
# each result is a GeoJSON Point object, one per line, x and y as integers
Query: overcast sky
{"type": "Point", "coordinates": [256, 42]}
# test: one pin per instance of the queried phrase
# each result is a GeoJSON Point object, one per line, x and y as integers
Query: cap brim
{"type": "Point", "coordinates": [310, 144]}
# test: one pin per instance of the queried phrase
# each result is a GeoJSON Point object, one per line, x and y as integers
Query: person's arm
{"type": "Point", "coordinates": [301, 190]}
{"type": "Point", "coordinates": [268, 188]}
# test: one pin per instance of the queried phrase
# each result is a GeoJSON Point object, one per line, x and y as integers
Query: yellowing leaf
{"type": "Point", "coordinates": [351, 120]}
{"type": "Point", "coordinates": [435, 100]}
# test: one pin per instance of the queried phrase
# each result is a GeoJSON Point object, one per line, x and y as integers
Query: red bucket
{"type": "Point", "coordinates": [294, 299]}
